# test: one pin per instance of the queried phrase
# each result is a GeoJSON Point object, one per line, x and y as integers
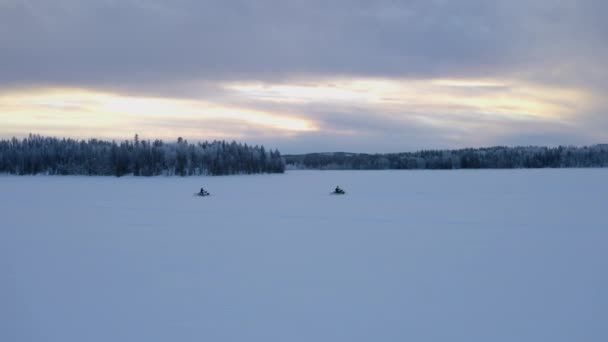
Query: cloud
{"type": "Point", "coordinates": [370, 114]}
{"type": "Point", "coordinates": [66, 111]}
{"type": "Point", "coordinates": [383, 74]}
{"type": "Point", "coordinates": [136, 41]}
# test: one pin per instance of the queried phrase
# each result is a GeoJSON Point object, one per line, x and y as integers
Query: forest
{"type": "Point", "coordinates": [36, 154]}
{"type": "Point", "coordinates": [499, 157]}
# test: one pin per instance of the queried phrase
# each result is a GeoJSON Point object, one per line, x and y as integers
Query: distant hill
{"type": "Point", "coordinates": [499, 157]}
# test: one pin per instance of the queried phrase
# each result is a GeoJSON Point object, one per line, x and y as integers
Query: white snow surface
{"type": "Point", "coordinates": [488, 255]}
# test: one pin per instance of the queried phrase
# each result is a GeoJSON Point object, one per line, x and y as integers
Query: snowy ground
{"type": "Point", "coordinates": [404, 256]}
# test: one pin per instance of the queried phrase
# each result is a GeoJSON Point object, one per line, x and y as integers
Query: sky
{"type": "Point", "coordinates": [308, 75]}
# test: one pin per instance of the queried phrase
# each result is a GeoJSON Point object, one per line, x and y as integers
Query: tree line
{"type": "Point", "coordinates": [499, 157]}
{"type": "Point", "coordinates": [45, 155]}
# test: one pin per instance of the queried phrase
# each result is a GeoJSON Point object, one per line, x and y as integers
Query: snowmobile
{"type": "Point", "coordinates": [338, 191]}
{"type": "Point", "coordinates": [203, 193]}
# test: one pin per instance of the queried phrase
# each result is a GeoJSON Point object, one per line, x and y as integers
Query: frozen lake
{"type": "Point", "coordinates": [488, 255]}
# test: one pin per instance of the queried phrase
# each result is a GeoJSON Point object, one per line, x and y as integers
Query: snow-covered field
{"type": "Point", "coordinates": [405, 256]}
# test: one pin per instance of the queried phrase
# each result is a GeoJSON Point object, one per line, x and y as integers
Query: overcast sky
{"type": "Point", "coordinates": [310, 75]}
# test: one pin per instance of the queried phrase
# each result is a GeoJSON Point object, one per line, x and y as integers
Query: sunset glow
{"type": "Point", "coordinates": [507, 98]}
{"type": "Point", "coordinates": [243, 109]}
{"type": "Point", "coordinates": [81, 112]}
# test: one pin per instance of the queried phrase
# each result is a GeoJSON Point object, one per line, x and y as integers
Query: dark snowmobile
{"type": "Point", "coordinates": [338, 191]}
{"type": "Point", "coordinates": [203, 193]}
